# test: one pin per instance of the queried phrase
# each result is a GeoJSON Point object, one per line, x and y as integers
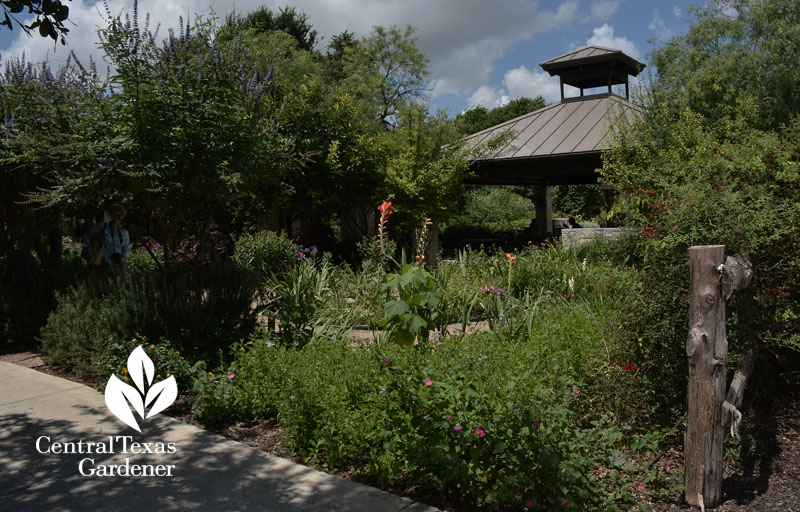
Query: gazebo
{"type": "Point", "coordinates": [561, 144]}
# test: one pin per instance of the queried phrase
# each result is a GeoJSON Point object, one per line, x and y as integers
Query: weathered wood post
{"type": "Point", "coordinates": [707, 349]}
{"type": "Point", "coordinates": [712, 283]}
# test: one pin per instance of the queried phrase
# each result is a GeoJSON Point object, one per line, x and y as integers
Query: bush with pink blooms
{"type": "Point", "coordinates": [481, 420]}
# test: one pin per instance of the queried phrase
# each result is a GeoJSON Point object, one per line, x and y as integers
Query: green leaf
{"type": "Point", "coordinates": [416, 324]}
{"type": "Point", "coordinates": [395, 308]}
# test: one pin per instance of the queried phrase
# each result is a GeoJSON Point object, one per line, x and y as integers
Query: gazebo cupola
{"type": "Point", "coordinates": [593, 66]}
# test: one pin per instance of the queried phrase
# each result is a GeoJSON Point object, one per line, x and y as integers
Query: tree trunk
{"type": "Point", "coordinates": [707, 349]}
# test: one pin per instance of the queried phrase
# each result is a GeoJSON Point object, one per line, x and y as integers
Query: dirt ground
{"type": "Point", "coordinates": [766, 478]}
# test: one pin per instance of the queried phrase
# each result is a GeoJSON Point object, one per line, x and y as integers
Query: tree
{"type": "Point", "coordinates": [50, 17]}
{"type": "Point", "coordinates": [263, 20]}
{"type": "Point", "coordinates": [426, 167]}
{"type": "Point", "coordinates": [196, 132]}
{"type": "Point", "coordinates": [387, 71]}
{"type": "Point", "coordinates": [736, 52]}
{"type": "Point", "coordinates": [479, 118]}
{"type": "Point", "coordinates": [47, 143]}
{"type": "Point", "coordinates": [715, 160]}
{"type": "Point", "coordinates": [493, 209]}
{"type": "Point", "coordinates": [335, 56]}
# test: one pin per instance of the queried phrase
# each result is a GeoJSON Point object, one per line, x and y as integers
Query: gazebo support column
{"type": "Point", "coordinates": [543, 199]}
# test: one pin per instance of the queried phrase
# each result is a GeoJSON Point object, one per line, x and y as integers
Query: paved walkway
{"type": "Point", "coordinates": [211, 472]}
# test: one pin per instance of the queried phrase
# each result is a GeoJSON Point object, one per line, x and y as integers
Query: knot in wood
{"type": "Point", "coordinates": [735, 274]}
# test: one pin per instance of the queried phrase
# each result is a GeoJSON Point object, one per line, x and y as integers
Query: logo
{"type": "Point", "coordinates": [121, 397]}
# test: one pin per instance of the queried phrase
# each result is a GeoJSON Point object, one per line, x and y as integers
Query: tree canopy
{"type": "Point", "coordinates": [714, 160]}
{"type": "Point", "coordinates": [739, 57]}
{"type": "Point", "coordinates": [386, 70]}
{"type": "Point", "coordinates": [479, 118]}
{"type": "Point", "coordinates": [263, 20]}
{"type": "Point", "coordinates": [50, 17]}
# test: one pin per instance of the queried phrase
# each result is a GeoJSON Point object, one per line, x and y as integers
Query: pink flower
{"type": "Point", "coordinates": [429, 382]}
{"type": "Point", "coordinates": [457, 428]}
{"type": "Point", "coordinates": [576, 391]}
{"type": "Point", "coordinates": [538, 425]}
{"type": "Point", "coordinates": [529, 504]}
{"type": "Point", "coordinates": [564, 502]}
{"type": "Point", "coordinates": [449, 418]}
{"type": "Point", "coordinates": [640, 486]}
{"type": "Point", "coordinates": [480, 432]}
{"type": "Point", "coordinates": [231, 376]}
{"type": "Point", "coordinates": [666, 467]}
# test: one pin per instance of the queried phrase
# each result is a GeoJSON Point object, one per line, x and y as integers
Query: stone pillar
{"type": "Point", "coordinates": [543, 198]}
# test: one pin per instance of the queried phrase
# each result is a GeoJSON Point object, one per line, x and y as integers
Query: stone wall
{"type": "Point", "coordinates": [582, 236]}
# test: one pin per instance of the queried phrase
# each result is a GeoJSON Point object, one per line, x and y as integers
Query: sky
{"type": "Point", "coordinates": [480, 51]}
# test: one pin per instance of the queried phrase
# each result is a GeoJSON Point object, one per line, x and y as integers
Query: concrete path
{"type": "Point", "coordinates": [210, 472]}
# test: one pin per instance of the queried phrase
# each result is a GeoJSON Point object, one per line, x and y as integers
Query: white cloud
{"type": "Point", "coordinates": [659, 27]}
{"type": "Point", "coordinates": [676, 11]}
{"type": "Point", "coordinates": [604, 36]}
{"type": "Point", "coordinates": [88, 17]}
{"type": "Point", "coordinates": [489, 97]}
{"type": "Point", "coordinates": [602, 10]}
{"type": "Point", "coordinates": [518, 82]}
{"type": "Point", "coordinates": [521, 82]}
{"type": "Point", "coordinates": [462, 38]}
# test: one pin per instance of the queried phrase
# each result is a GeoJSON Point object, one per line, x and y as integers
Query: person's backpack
{"type": "Point", "coordinates": [93, 251]}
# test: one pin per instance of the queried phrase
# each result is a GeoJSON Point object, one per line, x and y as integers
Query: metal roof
{"type": "Point", "coordinates": [588, 55]}
{"type": "Point", "coordinates": [576, 125]}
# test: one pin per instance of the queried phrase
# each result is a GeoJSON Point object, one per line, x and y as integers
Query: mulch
{"type": "Point", "coordinates": [767, 479]}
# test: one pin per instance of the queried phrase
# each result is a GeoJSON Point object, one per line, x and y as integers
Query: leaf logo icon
{"type": "Point", "coordinates": [121, 397]}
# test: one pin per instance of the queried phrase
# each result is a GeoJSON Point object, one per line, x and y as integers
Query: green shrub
{"type": "Point", "coordinates": [28, 290]}
{"type": "Point", "coordinates": [293, 300]}
{"type": "Point", "coordinates": [87, 319]}
{"type": "Point", "coordinates": [371, 256]}
{"type": "Point", "coordinates": [690, 185]}
{"type": "Point", "coordinates": [412, 305]}
{"type": "Point", "coordinates": [494, 209]}
{"type": "Point", "coordinates": [167, 359]}
{"type": "Point", "coordinates": [484, 420]}
{"type": "Point", "coordinates": [205, 311]}
{"type": "Point", "coordinates": [266, 253]}
{"type": "Point", "coordinates": [584, 200]}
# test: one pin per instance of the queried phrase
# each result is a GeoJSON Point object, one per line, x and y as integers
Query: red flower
{"type": "Point", "coordinates": [386, 209]}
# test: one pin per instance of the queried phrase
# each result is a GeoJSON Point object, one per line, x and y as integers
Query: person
{"type": "Point", "coordinates": [573, 223]}
{"type": "Point", "coordinates": [116, 242]}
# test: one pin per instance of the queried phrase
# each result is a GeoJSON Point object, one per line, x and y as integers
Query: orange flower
{"type": "Point", "coordinates": [511, 257]}
{"type": "Point", "coordinates": [386, 209]}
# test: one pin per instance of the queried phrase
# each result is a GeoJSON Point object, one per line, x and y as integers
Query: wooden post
{"type": "Point", "coordinates": [707, 349]}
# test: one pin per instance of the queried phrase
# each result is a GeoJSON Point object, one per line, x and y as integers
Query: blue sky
{"type": "Point", "coordinates": [481, 51]}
